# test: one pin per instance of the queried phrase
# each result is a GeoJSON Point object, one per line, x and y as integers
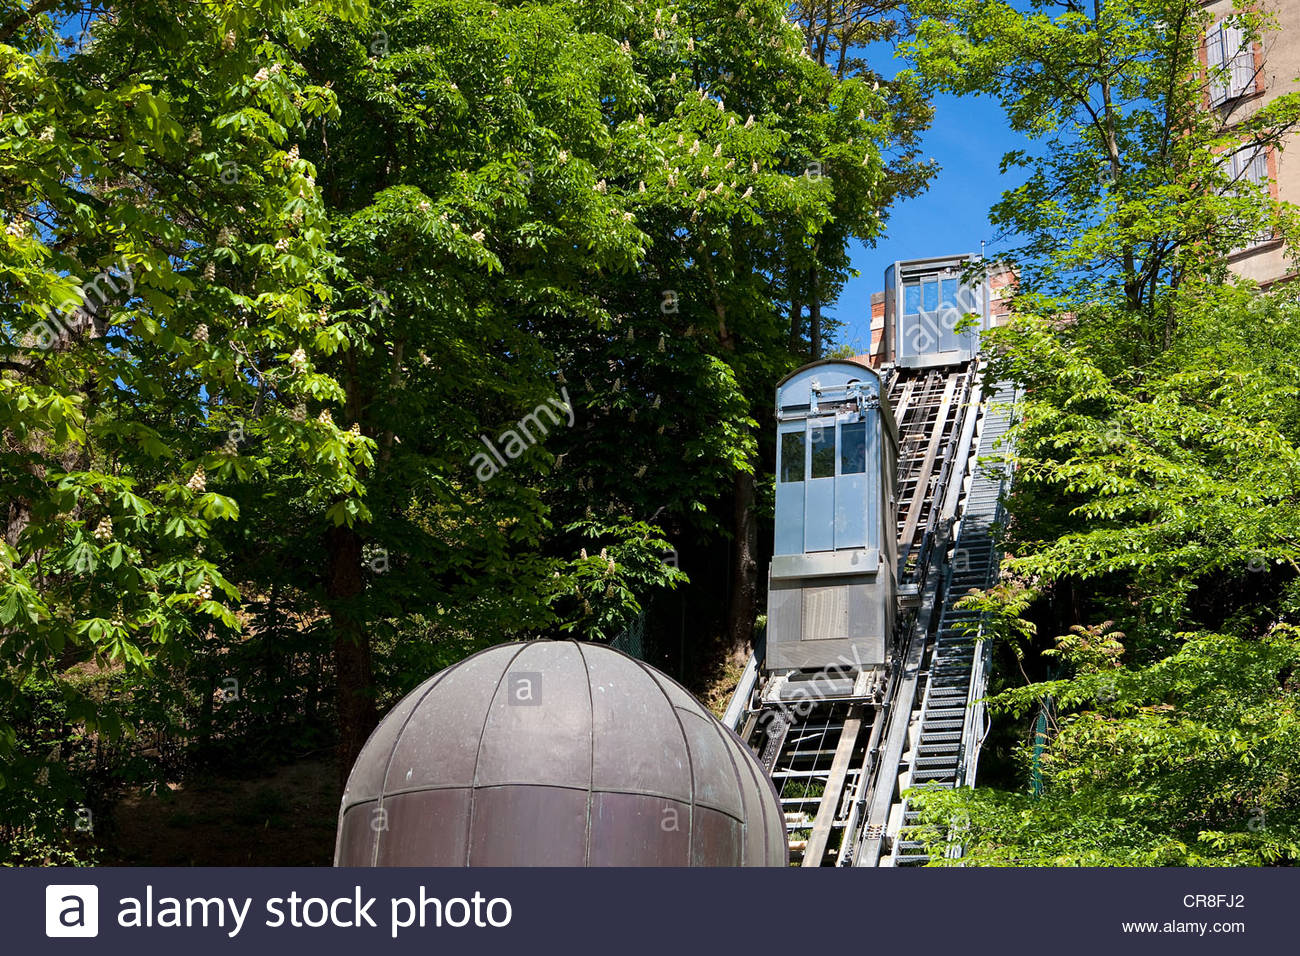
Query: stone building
{"type": "Point", "coordinates": [1258, 73]}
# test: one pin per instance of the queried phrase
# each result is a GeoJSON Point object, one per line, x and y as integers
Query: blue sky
{"type": "Point", "coordinates": [968, 137]}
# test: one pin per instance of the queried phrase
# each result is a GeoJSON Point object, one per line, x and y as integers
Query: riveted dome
{"type": "Point", "coordinates": [556, 753]}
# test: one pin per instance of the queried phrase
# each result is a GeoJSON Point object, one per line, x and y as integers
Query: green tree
{"type": "Point", "coordinates": [1190, 761]}
{"type": "Point", "coordinates": [838, 36]}
{"type": "Point", "coordinates": [1155, 451]}
{"type": "Point", "coordinates": [163, 249]}
{"type": "Point", "coordinates": [584, 204]}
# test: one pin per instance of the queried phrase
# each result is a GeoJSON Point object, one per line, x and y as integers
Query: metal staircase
{"type": "Point", "coordinates": [951, 716]}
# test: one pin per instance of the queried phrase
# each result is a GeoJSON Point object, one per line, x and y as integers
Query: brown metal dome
{"type": "Point", "coordinates": [556, 753]}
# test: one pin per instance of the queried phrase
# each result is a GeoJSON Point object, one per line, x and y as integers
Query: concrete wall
{"type": "Point", "coordinates": [1278, 60]}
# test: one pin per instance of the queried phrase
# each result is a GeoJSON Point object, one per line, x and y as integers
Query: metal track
{"type": "Point", "coordinates": [950, 724]}
{"type": "Point", "coordinates": [820, 756]}
{"type": "Point", "coordinates": [928, 406]}
{"type": "Point", "coordinates": [835, 755]}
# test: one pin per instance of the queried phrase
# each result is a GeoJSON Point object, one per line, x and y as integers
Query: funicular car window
{"type": "Point", "coordinates": [792, 463]}
{"type": "Point", "coordinates": [853, 448]}
{"type": "Point", "coordinates": [823, 451]}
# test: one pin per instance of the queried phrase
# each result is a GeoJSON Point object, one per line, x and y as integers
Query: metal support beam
{"type": "Point", "coordinates": [744, 690]}
{"type": "Point", "coordinates": [870, 761]}
{"type": "Point", "coordinates": [777, 728]}
{"type": "Point", "coordinates": [830, 802]}
{"type": "Point", "coordinates": [900, 715]}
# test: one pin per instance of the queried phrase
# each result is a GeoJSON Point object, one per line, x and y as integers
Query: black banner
{"type": "Point", "coordinates": [648, 911]}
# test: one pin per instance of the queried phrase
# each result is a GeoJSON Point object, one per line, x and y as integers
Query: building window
{"type": "Point", "coordinates": [930, 294]}
{"type": "Point", "coordinates": [1231, 62]}
{"type": "Point", "coordinates": [952, 293]}
{"type": "Point", "coordinates": [1249, 167]}
{"type": "Point", "coordinates": [912, 298]}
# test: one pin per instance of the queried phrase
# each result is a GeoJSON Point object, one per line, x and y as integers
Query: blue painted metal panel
{"type": "Point", "coordinates": [819, 491]}
{"type": "Point", "coordinates": [791, 466]}
{"type": "Point", "coordinates": [850, 511]}
{"type": "Point", "coordinates": [851, 483]}
{"type": "Point", "coordinates": [830, 509]}
{"type": "Point", "coordinates": [789, 517]}
{"type": "Point", "coordinates": [819, 515]}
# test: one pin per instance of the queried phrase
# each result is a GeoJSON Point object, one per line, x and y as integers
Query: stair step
{"type": "Point", "coordinates": [934, 763]}
{"type": "Point", "coordinates": [942, 736]}
{"type": "Point", "coordinates": [927, 749]}
{"type": "Point", "coordinates": [934, 774]}
{"type": "Point", "coordinates": [929, 725]}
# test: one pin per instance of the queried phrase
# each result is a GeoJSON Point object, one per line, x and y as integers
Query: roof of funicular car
{"type": "Point", "coordinates": [827, 362]}
{"type": "Point", "coordinates": [886, 410]}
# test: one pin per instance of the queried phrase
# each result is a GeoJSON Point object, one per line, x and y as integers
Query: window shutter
{"type": "Point", "coordinates": [1214, 47]}
{"type": "Point", "coordinates": [1258, 172]}
{"type": "Point", "coordinates": [1250, 166]}
{"type": "Point", "coordinates": [1216, 59]}
{"type": "Point", "coordinates": [1241, 55]}
{"type": "Point", "coordinates": [1236, 165]}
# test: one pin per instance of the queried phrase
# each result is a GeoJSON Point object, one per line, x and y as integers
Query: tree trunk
{"type": "Point", "coordinates": [814, 315]}
{"type": "Point", "coordinates": [353, 676]}
{"type": "Point", "coordinates": [208, 681]}
{"type": "Point", "coordinates": [744, 570]}
{"type": "Point", "coordinates": [796, 324]}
